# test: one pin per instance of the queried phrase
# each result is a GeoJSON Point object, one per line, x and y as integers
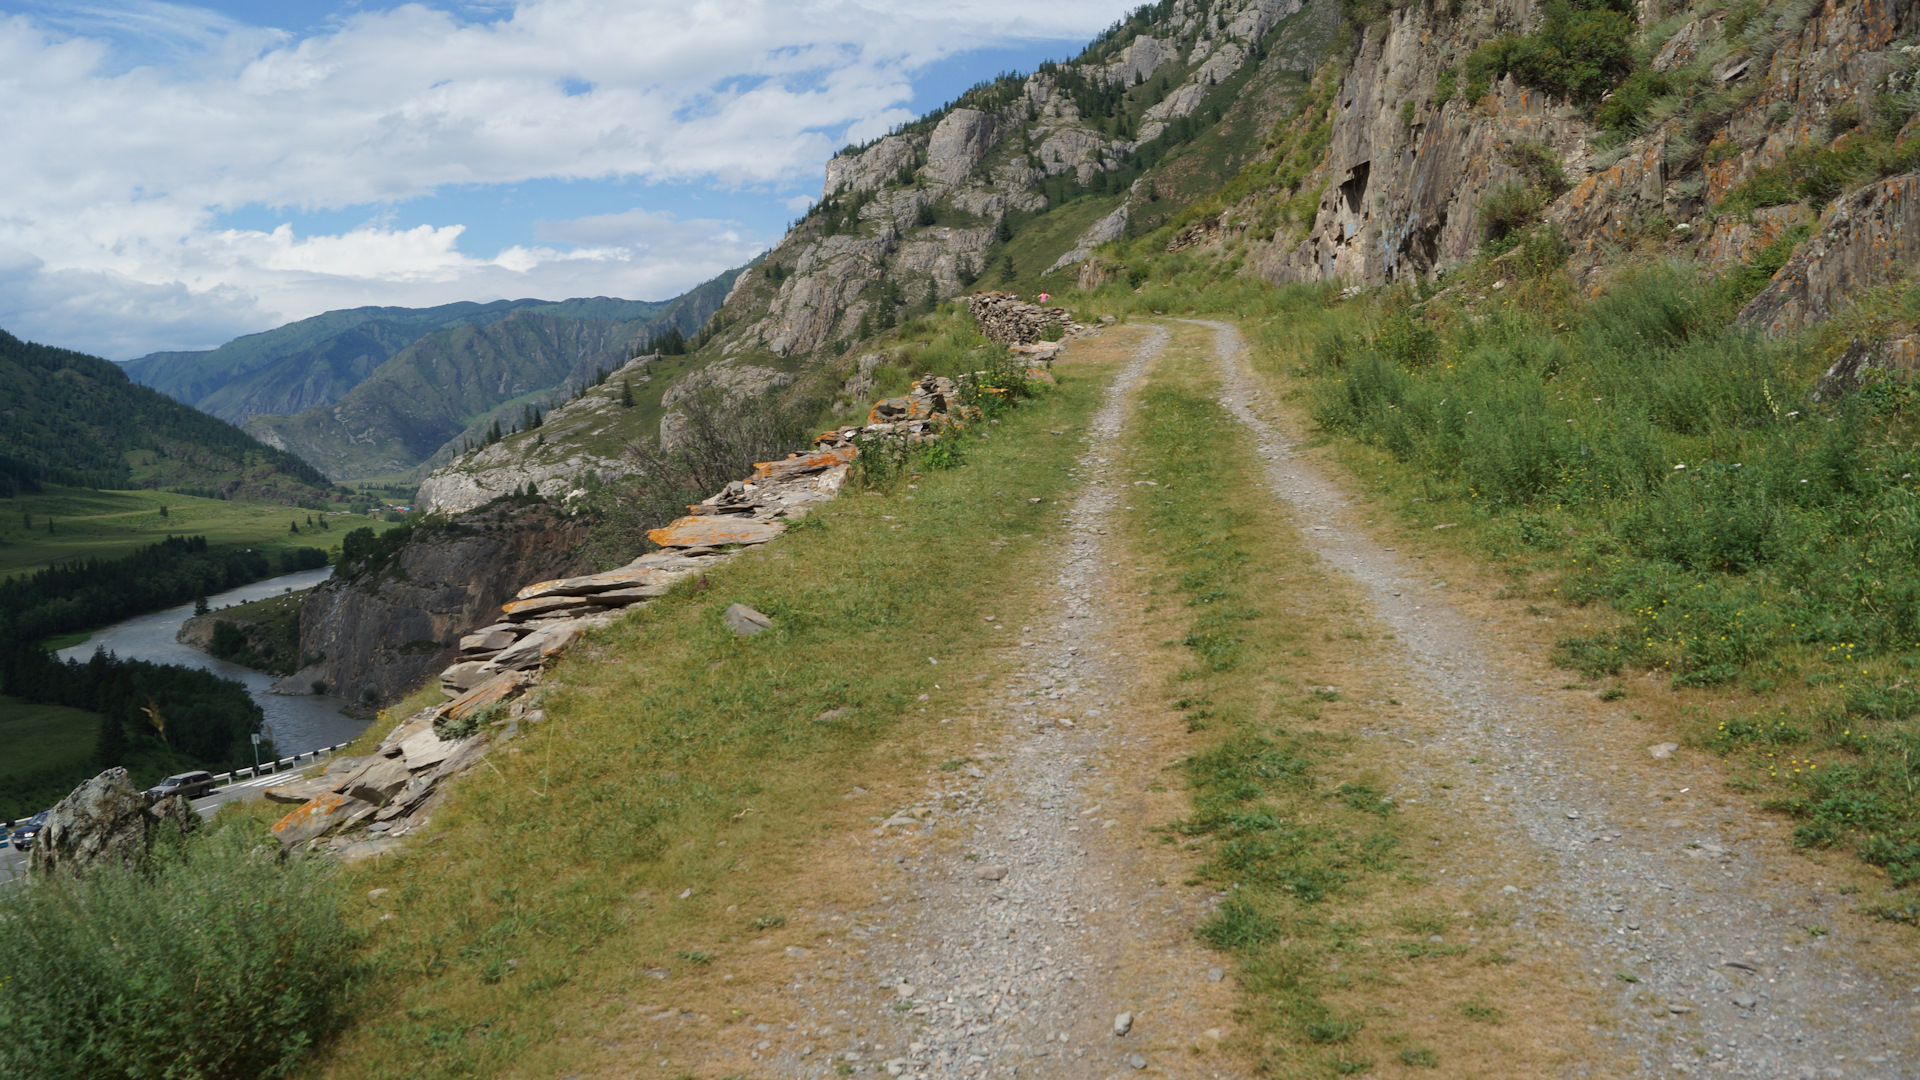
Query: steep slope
{"type": "Point", "coordinates": [433, 390]}
{"type": "Point", "coordinates": [69, 418]}
{"type": "Point", "coordinates": [316, 361]}
{"type": "Point", "coordinates": [1014, 182]}
{"type": "Point", "coordinates": [1723, 136]}
{"type": "Point", "coordinates": [1011, 186]}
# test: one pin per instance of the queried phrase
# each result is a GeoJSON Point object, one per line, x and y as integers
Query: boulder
{"type": "Point", "coordinates": [104, 820]}
{"type": "Point", "coordinates": [745, 621]}
{"type": "Point", "coordinates": [461, 677]}
{"type": "Point", "coordinates": [623, 597]}
{"type": "Point", "coordinates": [377, 780]}
{"type": "Point", "coordinates": [536, 648]}
{"type": "Point", "coordinates": [490, 640]}
{"type": "Point", "coordinates": [802, 464]}
{"type": "Point", "coordinates": [297, 791]}
{"type": "Point", "coordinates": [320, 815]}
{"type": "Point", "coordinates": [489, 693]}
{"type": "Point", "coordinates": [176, 810]}
{"type": "Point", "coordinates": [627, 577]}
{"type": "Point", "coordinates": [714, 531]}
{"type": "Point", "coordinates": [424, 749]}
{"type": "Point", "coordinates": [522, 610]}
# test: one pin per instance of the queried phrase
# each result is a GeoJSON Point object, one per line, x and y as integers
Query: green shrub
{"type": "Point", "coordinates": [1582, 50]}
{"type": "Point", "coordinates": [221, 959]}
{"type": "Point", "coordinates": [1626, 111]}
{"type": "Point", "coordinates": [1509, 208]}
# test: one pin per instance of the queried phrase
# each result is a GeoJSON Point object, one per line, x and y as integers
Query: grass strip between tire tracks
{"type": "Point", "coordinates": [1328, 908]}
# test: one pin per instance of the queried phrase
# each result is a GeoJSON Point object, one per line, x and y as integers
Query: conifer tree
{"type": "Point", "coordinates": [626, 393]}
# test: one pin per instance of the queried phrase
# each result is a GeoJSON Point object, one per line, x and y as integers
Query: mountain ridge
{"type": "Point", "coordinates": [273, 371]}
{"type": "Point", "coordinates": [70, 418]}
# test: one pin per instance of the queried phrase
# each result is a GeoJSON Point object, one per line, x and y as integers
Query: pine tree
{"type": "Point", "coordinates": [200, 605]}
{"type": "Point", "coordinates": [293, 527]}
{"type": "Point", "coordinates": [163, 509]}
{"type": "Point", "coordinates": [626, 393]}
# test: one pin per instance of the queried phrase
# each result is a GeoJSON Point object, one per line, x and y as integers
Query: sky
{"type": "Point", "coordinates": [178, 175]}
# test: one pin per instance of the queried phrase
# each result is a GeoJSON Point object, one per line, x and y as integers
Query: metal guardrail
{"type": "Point", "coordinates": [276, 765]}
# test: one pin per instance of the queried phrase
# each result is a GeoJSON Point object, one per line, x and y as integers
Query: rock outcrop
{"type": "Point", "coordinates": [361, 807]}
{"type": "Point", "coordinates": [922, 210]}
{"type": "Point", "coordinates": [1410, 166]}
{"type": "Point", "coordinates": [383, 631]}
{"type": "Point", "coordinates": [1869, 237]}
{"type": "Point", "coordinates": [105, 821]}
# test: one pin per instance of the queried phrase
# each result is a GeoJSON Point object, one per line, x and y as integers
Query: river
{"type": "Point", "coordinates": [296, 723]}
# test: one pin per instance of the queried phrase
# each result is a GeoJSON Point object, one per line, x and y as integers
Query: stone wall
{"type": "Point", "coordinates": [362, 807]}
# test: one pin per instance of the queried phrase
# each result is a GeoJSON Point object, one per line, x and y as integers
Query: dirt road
{"type": "Point", "coordinates": [1042, 932]}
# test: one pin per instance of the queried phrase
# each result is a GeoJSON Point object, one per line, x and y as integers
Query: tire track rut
{"type": "Point", "coordinates": [1726, 980]}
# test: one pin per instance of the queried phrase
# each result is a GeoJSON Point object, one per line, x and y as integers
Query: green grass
{"type": "Point", "coordinates": [1275, 824]}
{"type": "Point", "coordinates": [1038, 243]}
{"type": "Point", "coordinates": [207, 960]}
{"type": "Point", "coordinates": [109, 523]}
{"type": "Point", "coordinates": [270, 631]}
{"type": "Point", "coordinates": [1644, 456]}
{"type": "Point", "coordinates": [528, 904]}
{"type": "Point", "coordinates": [43, 740]}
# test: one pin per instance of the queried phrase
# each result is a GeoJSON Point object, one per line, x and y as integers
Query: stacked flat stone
{"type": "Point", "coordinates": [360, 807]}
{"type": "Point", "coordinates": [1005, 319]}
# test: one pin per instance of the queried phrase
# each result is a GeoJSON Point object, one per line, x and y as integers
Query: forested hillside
{"type": "Point", "coordinates": [316, 361]}
{"type": "Point", "coordinates": [68, 418]}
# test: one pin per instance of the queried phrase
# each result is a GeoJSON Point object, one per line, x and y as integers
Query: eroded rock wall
{"type": "Point", "coordinates": [1405, 182]}
{"type": "Point", "coordinates": [387, 630]}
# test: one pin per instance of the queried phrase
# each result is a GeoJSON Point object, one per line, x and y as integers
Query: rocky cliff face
{"type": "Point", "coordinates": [928, 210]}
{"type": "Point", "coordinates": [1764, 126]}
{"type": "Point", "coordinates": [384, 630]}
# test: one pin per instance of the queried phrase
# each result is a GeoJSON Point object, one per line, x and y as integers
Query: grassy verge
{"type": "Point", "coordinates": [1638, 463]}
{"type": "Point", "coordinates": [1353, 954]}
{"type": "Point", "coordinates": [652, 825]}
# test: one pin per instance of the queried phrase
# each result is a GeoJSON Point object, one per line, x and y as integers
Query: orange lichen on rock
{"type": "Point", "coordinates": [315, 816]}
{"type": "Point", "coordinates": [825, 458]}
{"type": "Point", "coordinates": [715, 530]}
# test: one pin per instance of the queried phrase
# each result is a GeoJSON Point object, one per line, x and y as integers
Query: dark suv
{"type": "Point", "coordinates": [24, 834]}
{"type": "Point", "coordinates": [191, 784]}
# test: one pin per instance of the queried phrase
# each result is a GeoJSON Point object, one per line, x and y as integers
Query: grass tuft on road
{"type": "Point", "coordinates": [1326, 903]}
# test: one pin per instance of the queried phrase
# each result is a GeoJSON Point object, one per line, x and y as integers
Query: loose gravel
{"type": "Point", "coordinates": [1725, 978]}
{"type": "Point", "coordinates": [1010, 946]}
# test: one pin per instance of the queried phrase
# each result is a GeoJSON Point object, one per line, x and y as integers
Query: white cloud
{"type": "Point", "coordinates": [117, 171]}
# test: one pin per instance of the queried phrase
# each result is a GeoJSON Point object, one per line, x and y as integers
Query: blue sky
{"type": "Point", "coordinates": [182, 174]}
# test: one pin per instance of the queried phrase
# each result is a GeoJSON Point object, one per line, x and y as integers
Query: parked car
{"type": "Point", "coordinates": [191, 784]}
{"type": "Point", "coordinates": [23, 835]}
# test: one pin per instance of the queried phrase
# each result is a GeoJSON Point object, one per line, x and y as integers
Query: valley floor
{"type": "Point", "coordinates": [1414, 846]}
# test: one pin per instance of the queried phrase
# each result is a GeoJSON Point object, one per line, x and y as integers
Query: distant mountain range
{"type": "Point", "coordinates": [73, 419]}
{"type": "Point", "coordinates": [380, 391]}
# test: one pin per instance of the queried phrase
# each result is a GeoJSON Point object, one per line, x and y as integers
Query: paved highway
{"type": "Point", "coordinates": [12, 861]}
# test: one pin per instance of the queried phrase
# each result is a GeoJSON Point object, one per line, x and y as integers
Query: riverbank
{"type": "Point", "coordinates": [295, 723]}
